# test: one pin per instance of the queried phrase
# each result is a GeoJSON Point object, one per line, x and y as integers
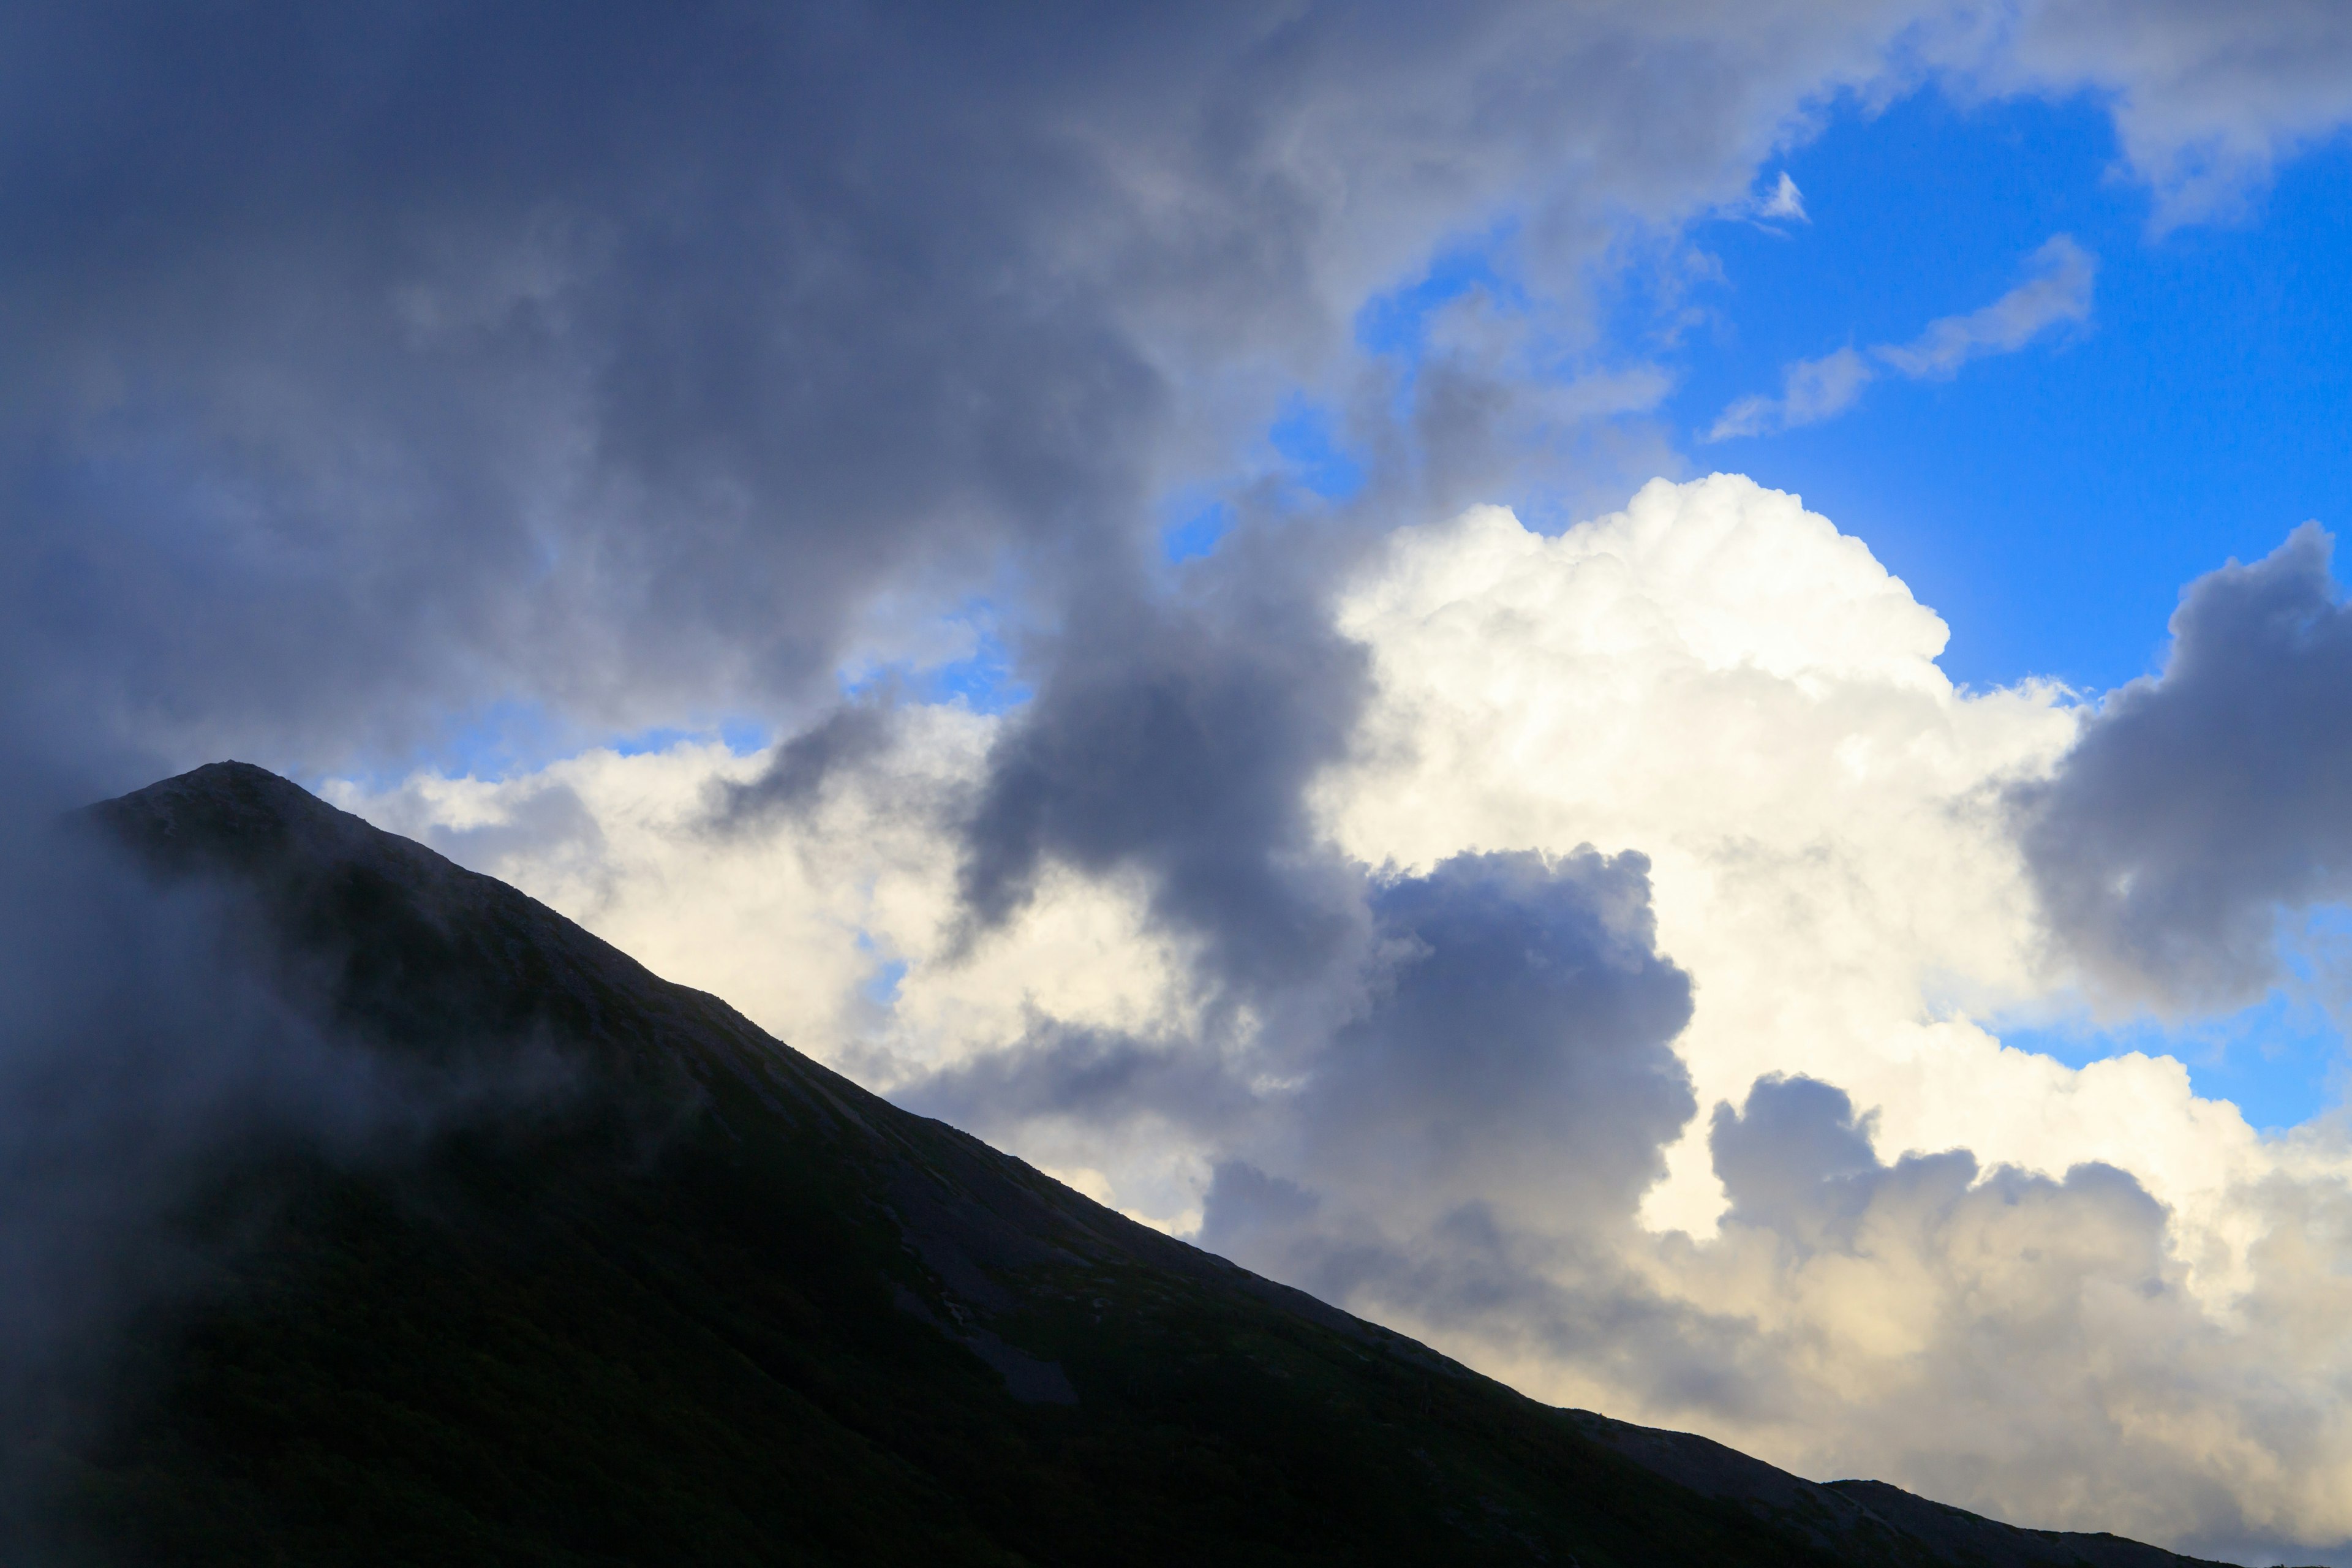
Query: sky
{"type": "Point", "coordinates": [1654, 690]}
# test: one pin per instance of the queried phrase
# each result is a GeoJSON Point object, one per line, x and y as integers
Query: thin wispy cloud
{"type": "Point", "coordinates": [1773, 209]}
{"type": "Point", "coordinates": [1811, 389]}
{"type": "Point", "coordinates": [1785, 202]}
{"type": "Point", "coordinates": [2057, 291]}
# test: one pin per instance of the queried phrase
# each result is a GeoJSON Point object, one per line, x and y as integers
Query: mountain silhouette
{"type": "Point", "coordinates": [650, 1287]}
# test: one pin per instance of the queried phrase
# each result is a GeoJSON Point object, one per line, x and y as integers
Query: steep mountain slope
{"type": "Point", "coordinates": [659, 1289]}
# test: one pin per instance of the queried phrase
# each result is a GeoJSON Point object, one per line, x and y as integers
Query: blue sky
{"type": "Point", "coordinates": [2051, 503]}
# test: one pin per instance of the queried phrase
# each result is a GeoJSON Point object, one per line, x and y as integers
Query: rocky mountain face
{"type": "Point", "coordinates": [647, 1286]}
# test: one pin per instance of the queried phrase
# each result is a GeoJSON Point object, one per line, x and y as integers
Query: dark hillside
{"type": "Point", "coordinates": [695, 1299]}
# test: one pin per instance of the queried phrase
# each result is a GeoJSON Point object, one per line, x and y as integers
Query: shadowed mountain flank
{"type": "Point", "coordinates": [670, 1293]}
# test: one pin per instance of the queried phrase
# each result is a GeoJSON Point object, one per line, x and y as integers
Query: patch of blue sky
{"type": "Point", "coordinates": [984, 680]}
{"type": "Point", "coordinates": [2281, 1062]}
{"type": "Point", "coordinates": [645, 742]}
{"type": "Point", "coordinates": [745, 736]}
{"type": "Point", "coordinates": [1194, 519]}
{"type": "Point", "coordinates": [2050, 502]}
{"type": "Point", "coordinates": [1397, 323]}
{"type": "Point", "coordinates": [495, 741]}
{"type": "Point", "coordinates": [1306, 437]}
{"type": "Point", "coordinates": [881, 988]}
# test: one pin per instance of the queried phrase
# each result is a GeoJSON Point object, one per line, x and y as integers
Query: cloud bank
{"type": "Point", "coordinates": [1649, 1057]}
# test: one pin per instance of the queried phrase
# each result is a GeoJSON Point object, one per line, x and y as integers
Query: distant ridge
{"type": "Point", "coordinates": [719, 1305]}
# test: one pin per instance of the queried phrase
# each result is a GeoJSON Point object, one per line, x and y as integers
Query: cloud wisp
{"type": "Point", "coordinates": [2056, 293]}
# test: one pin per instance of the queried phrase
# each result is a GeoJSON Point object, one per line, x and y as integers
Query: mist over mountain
{"type": "Point", "coordinates": [578, 1266]}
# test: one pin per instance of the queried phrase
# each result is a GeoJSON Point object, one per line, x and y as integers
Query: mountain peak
{"type": "Point", "coordinates": [231, 811]}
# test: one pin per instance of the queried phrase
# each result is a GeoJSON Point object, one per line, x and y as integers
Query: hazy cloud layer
{"type": "Point", "coordinates": [2204, 806]}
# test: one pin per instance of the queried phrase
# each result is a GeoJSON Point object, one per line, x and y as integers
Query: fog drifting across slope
{"type": "Point", "coordinates": [159, 1048]}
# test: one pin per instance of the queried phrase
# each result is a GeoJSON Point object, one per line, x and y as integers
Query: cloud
{"type": "Point", "coordinates": [1177, 740]}
{"type": "Point", "coordinates": [1649, 1075]}
{"type": "Point", "coordinates": [1785, 202]}
{"type": "Point", "coordinates": [628, 394]}
{"type": "Point", "coordinates": [2202, 805]}
{"type": "Point", "coordinates": [2057, 291]}
{"type": "Point", "coordinates": [682, 338]}
{"type": "Point", "coordinates": [798, 771]}
{"type": "Point", "coordinates": [1720, 680]}
{"type": "Point", "coordinates": [2015, 1343]}
{"type": "Point", "coordinates": [2206, 104]}
{"type": "Point", "coordinates": [1810, 391]}
{"type": "Point", "coordinates": [1782, 204]}
{"type": "Point", "coordinates": [1515, 1044]}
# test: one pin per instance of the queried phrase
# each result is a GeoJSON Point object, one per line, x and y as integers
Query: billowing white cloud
{"type": "Point", "coordinates": [2057, 290]}
{"type": "Point", "coordinates": [1718, 678]}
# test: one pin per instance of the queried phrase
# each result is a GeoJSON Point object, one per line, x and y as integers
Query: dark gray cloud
{"type": "Point", "coordinates": [847, 737]}
{"type": "Point", "coordinates": [1511, 1068]}
{"type": "Point", "coordinates": [1177, 739]}
{"type": "Point", "coordinates": [610, 361]}
{"type": "Point", "coordinates": [1468, 1153]}
{"type": "Point", "coordinates": [1795, 1155]}
{"type": "Point", "coordinates": [2200, 805]}
{"type": "Point", "coordinates": [1518, 1040]}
